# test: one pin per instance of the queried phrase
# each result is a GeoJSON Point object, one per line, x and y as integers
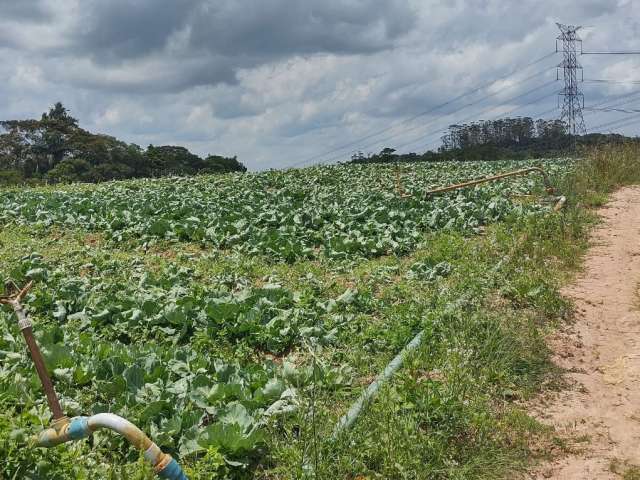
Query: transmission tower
{"type": "Point", "coordinates": [572, 97]}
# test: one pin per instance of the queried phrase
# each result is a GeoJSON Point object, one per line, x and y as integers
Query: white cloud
{"type": "Point", "coordinates": [280, 84]}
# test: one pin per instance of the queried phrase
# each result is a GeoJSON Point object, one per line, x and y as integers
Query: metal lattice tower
{"type": "Point", "coordinates": [573, 99]}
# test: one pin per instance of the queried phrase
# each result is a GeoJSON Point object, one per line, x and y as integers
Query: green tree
{"type": "Point", "coordinates": [57, 149]}
{"type": "Point", "coordinates": [218, 164]}
{"type": "Point", "coordinates": [70, 170]}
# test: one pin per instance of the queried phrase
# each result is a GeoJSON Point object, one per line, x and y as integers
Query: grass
{"type": "Point", "coordinates": [450, 412]}
{"type": "Point", "coordinates": [453, 411]}
{"type": "Point", "coordinates": [604, 169]}
{"type": "Point", "coordinates": [624, 469]}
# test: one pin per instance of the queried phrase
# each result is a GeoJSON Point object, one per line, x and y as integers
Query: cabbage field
{"type": "Point", "coordinates": [234, 318]}
{"type": "Point", "coordinates": [337, 212]}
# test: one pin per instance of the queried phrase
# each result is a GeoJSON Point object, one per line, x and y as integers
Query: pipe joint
{"type": "Point", "coordinates": [64, 430]}
{"type": "Point", "coordinates": [171, 470]}
{"type": "Point", "coordinates": [79, 428]}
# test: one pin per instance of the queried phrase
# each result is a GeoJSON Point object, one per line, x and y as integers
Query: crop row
{"type": "Point", "coordinates": [336, 212]}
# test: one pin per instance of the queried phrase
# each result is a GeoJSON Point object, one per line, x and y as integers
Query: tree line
{"type": "Point", "coordinates": [55, 149]}
{"type": "Point", "coordinates": [503, 139]}
{"type": "Point", "coordinates": [506, 132]}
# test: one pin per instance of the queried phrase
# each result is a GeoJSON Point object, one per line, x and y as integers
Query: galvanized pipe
{"type": "Point", "coordinates": [471, 183]}
{"type": "Point", "coordinates": [26, 327]}
{"type": "Point", "coordinates": [41, 369]}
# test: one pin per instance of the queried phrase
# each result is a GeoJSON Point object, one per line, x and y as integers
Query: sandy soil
{"type": "Point", "coordinates": [600, 412]}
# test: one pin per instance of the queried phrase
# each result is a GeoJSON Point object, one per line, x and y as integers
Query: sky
{"type": "Point", "coordinates": [283, 83]}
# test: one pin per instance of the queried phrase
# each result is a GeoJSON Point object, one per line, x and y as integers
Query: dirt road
{"type": "Point", "coordinates": [601, 352]}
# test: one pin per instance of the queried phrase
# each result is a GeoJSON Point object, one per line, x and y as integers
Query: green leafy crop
{"type": "Point", "coordinates": [216, 354]}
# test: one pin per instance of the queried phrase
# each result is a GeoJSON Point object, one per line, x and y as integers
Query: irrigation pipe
{"type": "Point", "coordinates": [347, 420]}
{"type": "Point", "coordinates": [82, 427]}
{"type": "Point", "coordinates": [560, 204]}
{"type": "Point", "coordinates": [26, 327]}
{"type": "Point", "coordinates": [471, 183]}
{"type": "Point", "coordinates": [372, 390]}
{"type": "Point", "coordinates": [63, 429]}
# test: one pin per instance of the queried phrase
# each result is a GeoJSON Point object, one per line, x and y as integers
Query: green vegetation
{"type": "Point", "coordinates": [342, 212]}
{"type": "Point", "coordinates": [235, 318]}
{"type": "Point", "coordinates": [507, 138]}
{"type": "Point", "coordinates": [606, 168]}
{"type": "Point", "coordinates": [55, 149]}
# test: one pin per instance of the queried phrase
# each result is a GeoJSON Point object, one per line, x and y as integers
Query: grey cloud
{"type": "Point", "coordinates": [117, 30]}
{"type": "Point", "coordinates": [226, 35]}
{"type": "Point", "coordinates": [120, 29]}
{"type": "Point", "coordinates": [276, 81]}
{"type": "Point", "coordinates": [278, 27]}
{"type": "Point", "coordinates": [496, 22]}
{"type": "Point", "coordinates": [24, 10]}
{"type": "Point", "coordinates": [148, 76]}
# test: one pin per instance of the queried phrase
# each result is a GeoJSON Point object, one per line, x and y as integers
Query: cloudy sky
{"type": "Point", "coordinates": [289, 82]}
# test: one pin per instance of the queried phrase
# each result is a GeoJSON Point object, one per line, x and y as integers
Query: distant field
{"type": "Point", "coordinates": [335, 212]}
{"type": "Point", "coordinates": [234, 318]}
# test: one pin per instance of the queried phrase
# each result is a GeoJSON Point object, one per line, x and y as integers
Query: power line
{"type": "Point", "coordinates": [573, 97]}
{"type": "Point", "coordinates": [609, 104]}
{"type": "Point", "coordinates": [621, 110]}
{"type": "Point", "coordinates": [534, 116]}
{"type": "Point", "coordinates": [572, 109]}
{"type": "Point", "coordinates": [478, 114]}
{"type": "Point", "coordinates": [626, 124]}
{"type": "Point", "coordinates": [415, 127]}
{"type": "Point", "coordinates": [615, 101]}
{"type": "Point", "coordinates": [440, 131]}
{"type": "Point", "coordinates": [545, 113]}
{"type": "Point", "coordinates": [592, 109]}
{"type": "Point", "coordinates": [421, 114]}
{"type": "Point", "coordinates": [568, 63]}
{"type": "Point", "coordinates": [622, 82]}
{"type": "Point", "coordinates": [611, 53]}
{"type": "Point", "coordinates": [609, 124]}
{"type": "Point", "coordinates": [475, 115]}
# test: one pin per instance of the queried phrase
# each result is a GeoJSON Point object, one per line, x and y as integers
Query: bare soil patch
{"type": "Point", "coordinates": [598, 417]}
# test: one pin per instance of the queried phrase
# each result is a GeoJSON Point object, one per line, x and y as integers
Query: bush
{"type": "Point", "coordinates": [109, 171]}
{"type": "Point", "coordinates": [10, 177]}
{"type": "Point", "coordinates": [218, 164]}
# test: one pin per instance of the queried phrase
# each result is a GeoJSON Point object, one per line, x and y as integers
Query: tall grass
{"type": "Point", "coordinates": [602, 170]}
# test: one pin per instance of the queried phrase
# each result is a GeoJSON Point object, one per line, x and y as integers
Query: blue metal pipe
{"type": "Point", "coordinates": [172, 471]}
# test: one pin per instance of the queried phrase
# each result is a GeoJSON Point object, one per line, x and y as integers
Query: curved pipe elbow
{"type": "Point", "coordinates": [128, 430]}
{"type": "Point", "coordinates": [560, 204]}
{"type": "Point", "coordinates": [164, 465]}
{"type": "Point", "coordinates": [81, 427]}
{"type": "Point", "coordinates": [547, 182]}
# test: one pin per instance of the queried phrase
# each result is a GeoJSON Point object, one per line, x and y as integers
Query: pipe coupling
{"type": "Point", "coordinates": [64, 430]}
